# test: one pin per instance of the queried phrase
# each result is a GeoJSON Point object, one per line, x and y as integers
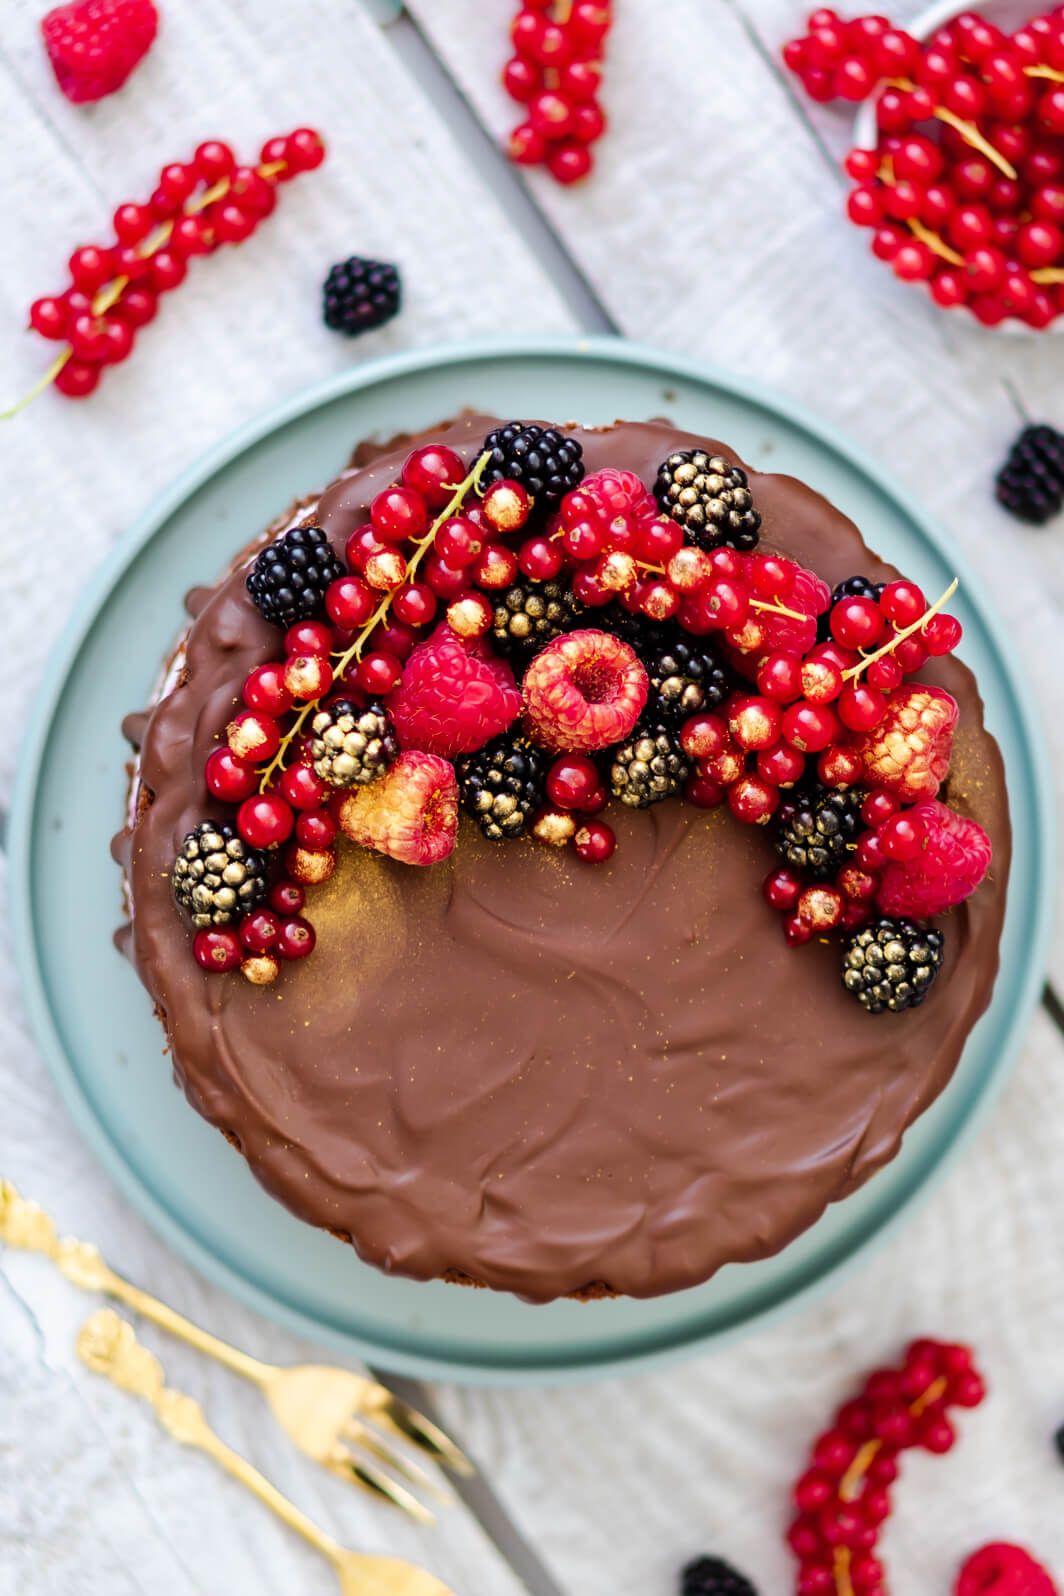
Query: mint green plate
{"type": "Point", "coordinates": [94, 1022]}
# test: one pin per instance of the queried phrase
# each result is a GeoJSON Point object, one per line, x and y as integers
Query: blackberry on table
{"type": "Point", "coordinates": [548, 463]}
{"type": "Point", "coordinates": [532, 614]}
{"type": "Point", "coordinates": [891, 964]}
{"type": "Point", "coordinates": [351, 746]}
{"type": "Point", "coordinates": [650, 766]}
{"type": "Point", "coordinates": [217, 878]}
{"type": "Point", "coordinates": [1030, 484]}
{"type": "Point", "coordinates": [686, 678]}
{"type": "Point", "coordinates": [288, 579]}
{"type": "Point", "coordinates": [502, 785]}
{"type": "Point", "coordinates": [712, 1576]}
{"type": "Point", "coordinates": [708, 496]}
{"type": "Point", "coordinates": [359, 294]}
{"type": "Point", "coordinates": [819, 833]}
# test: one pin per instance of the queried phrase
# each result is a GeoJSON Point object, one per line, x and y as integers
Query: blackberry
{"type": "Point", "coordinates": [712, 1576]}
{"type": "Point", "coordinates": [685, 678]}
{"type": "Point", "coordinates": [352, 746]}
{"type": "Point", "coordinates": [544, 460]}
{"type": "Point", "coordinates": [853, 587]}
{"type": "Point", "coordinates": [818, 833]}
{"type": "Point", "coordinates": [1058, 1441]}
{"type": "Point", "coordinates": [1031, 482]}
{"type": "Point", "coordinates": [891, 964]}
{"type": "Point", "coordinates": [531, 614]}
{"type": "Point", "coordinates": [288, 580]}
{"type": "Point", "coordinates": [650, 766]}
{"type": "Point", "coordinates": [708, 497]}
{"type": "Point", "coordinates": [647, 637]}
{"type": "Point", "coordinates": [217, 878]}
{"type": "Point", "coordinates": [359, 294]}
{"type": "Point", "coordinates": [502, 784]}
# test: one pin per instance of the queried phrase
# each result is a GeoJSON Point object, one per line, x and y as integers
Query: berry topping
{"type": "Point", "coordinates": [289, 579]}
{"type": "Point", "coordinates": [351, 747]}
{"type": "Point", "coordinates": [947, 861]}
{"type": "Point", "coordinates": [94, 45]}
{"type": "Point", "coordinates": [712, 1576]}
{"type": "Point", "coordinates": [650, 766]}
{"type": "Point", "coordinates": [359, 294]}
{"type": "Point", "coordinates": [453, 697]}
{"type": "Point", "coordinates": [817, 832]}
{"type": "Point", "coordinates": [543, 460]}
{"type": "Point", "coordinates": [708, 497]}
{"type": "Point", "coordinates": [530, 614]}
{"type": "Point", "coordinates": [584, 692]}
{"type": "Point", "coordinates": [595, 842]}
{"type": "Point", "coordinates": [1030, 484]}
{"type": "Point", "coordinates": [908, 749]}
{"type": "Point", "coordinates": [685, 677]}
{"type": "Point", "coordinates": [217, 877]}
{"type": "Point", "coordinates": [502, 785]}
{"type": "Point", "coordinates": [891, 964]}
{"type": "Point", "coordinates": [1001, 1569]}
{"type": "Point", "coordinates": [217, 949]}
{"type": "Point", "coordinates": [611, 509]}
{"type": "Point", "coordinates": [410, 814]}
{"type": "Point", "coordinates": [786, 623]}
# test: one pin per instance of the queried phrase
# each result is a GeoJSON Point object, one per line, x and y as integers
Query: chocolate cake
{"type": "Point", "coordinates": [547, 1076]}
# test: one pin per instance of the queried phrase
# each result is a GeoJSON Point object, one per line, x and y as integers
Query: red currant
{"type": "Point", "coordinates": [77, 379]}
{"type": "Point", "coordinates": [703, 736]}
{"type": "Point", "coordinates": [308, 637]}
{"type": "Point", "coordinates": [287, 898]}
{"type": "Point", "coordinates": [399, 514]}
{"type": "Point", "coordinates": [307, 676]}
{"type": "Point", "coordinates": [860, 707]}
{"type": "Point", "coordinates": [521, 79]}
{"type": "Point", "coordinates": [879, 806]}
{"type": "Point", "coordinates": [781, 889]}
{"type": "Point", "coordinates": [447, 580]}
{"type": "Point", "coordinates": [540, 559]}
{"type": "Point", "coordinates": [218, 949]}
{"type": "Point", "coordinates": [379, 674]}
{"type": "Point", "coordinates": [941, 634]}
{"type": "Point", "coordinates": [752, 800]}
{"type": "Point", "coordinates": [168, 271]}
{"type": "Point", "coordinates": [265, 821]}
{"type": "Point", "coordinates": [304, 149]}
{"type": "Point", "coordinates": [595, 841]}
{"type": "Point", "coordinates": [569, 162]}
{"type": "Point", "coordinates": [258, 931]}
{"type": "Point", "coordinates": [434, 472]}
{"type": "Point", "coordinates": [525, 146]}
{"type": "Point", "coordinates": [302, 788]}
{"type": "Point", "coordinates": [779, 677]}
{"type": "Point", "coordinates": [506, 506]}
{"type": "Point", "coordinates": [362, 545]}
{"type": "Point", "coordinates": [495, 567]}
{"type": "Point", "coordinates": [810, 727]}
{"type": "Point", "coordinates": [49, 316]}
{"type": "Point", "coordinates": [296, 939]}
{"type": "Point", "coordinates": [349, 602]}
{"type": "Point", "coordinates": [902, 602]}
{"type": "Point", "coordinates": [213, 160]}
{"type": "Point", "coordinates": [316, 829]}
{"type": "Point", "coordinates": [840, 766]}
{"type": "Point", "coordinates": [781, 765]}
{"type": "Point", "coordinates": [386, 570]}
{"type": "Point", "coordinates": [229, 778]}
{"type": "Point", "coordinates": [704, 792]}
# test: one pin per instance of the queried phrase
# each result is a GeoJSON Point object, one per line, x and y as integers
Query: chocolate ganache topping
{"type": "Point", "coordinates": [546, 1077]}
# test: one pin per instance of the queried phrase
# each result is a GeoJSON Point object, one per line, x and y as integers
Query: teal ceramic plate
{"type": "Point", "coordinates": [95, 1023]}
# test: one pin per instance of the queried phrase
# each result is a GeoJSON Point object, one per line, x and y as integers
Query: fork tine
{"type": "Point", "coordinates": [364, 1436]}
{"type": "Point", "coordinates": [344, 1463]}
{"type": "Point", "coordinates": [403, 1420]}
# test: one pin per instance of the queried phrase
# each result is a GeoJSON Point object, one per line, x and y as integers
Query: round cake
{"type": "Point", "coordinates": [543, 1043]}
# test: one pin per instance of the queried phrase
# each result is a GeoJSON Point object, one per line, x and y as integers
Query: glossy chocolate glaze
{"type": "Point", "coordinates": [542, 1074]}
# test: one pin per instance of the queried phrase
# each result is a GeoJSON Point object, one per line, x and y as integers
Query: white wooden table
{"type": "Point", "coordinates": [712, 226]}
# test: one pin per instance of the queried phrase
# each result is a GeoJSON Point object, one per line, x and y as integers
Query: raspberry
{"type": "Point", "coordinates": [583, 692]}
{"type": "Point", "coordinates": [767, 631]}
{"type": "Point", "coordinates": [953, 859]}
{"type": "Point", "coordinates": [410, 813]}
{"type": "Point", "coordinates": [616, 504]}
{"type": "Point", "coordinates": [1003, 1570]}
{"type": "Point", "coordinates": [453, 698]}
{"type": "Point", "coordinates": [908, 750]}
{"type": "Point", "coordinates": [94, 46]}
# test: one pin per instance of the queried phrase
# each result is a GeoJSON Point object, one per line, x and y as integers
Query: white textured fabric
{"type": "Point", "coordinates": [712, 227]}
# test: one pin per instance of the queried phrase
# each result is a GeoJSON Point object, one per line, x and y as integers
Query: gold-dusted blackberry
{"type": "Point", "coordinates": [650, 766]}
{"type": "Point", "coordinates": [217, 878]}
{"type": "Point", "coordinates": [352, 747]}
{"type": "Point", "coordinates": [708, 496]}
{"type": "Point", "coordinates": [686, 678]}
{"type": "Point", "coordinates": [818, 832]}
{"type": "Point", "coordinates": [531, 614]}
{"type": "Point", "coordinates": [502, 785]}
{"type": "Point", "coordinates": [548, 463]}
{"type": "Point", "coordinates": [891, 964]}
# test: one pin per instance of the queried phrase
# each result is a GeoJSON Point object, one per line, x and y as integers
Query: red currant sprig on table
{"type": "Point", "coordinates": [115, 289]}
{"type": "Point", "coordinates": [843, 1498]}
{"type": "Point", "coordinates": [556, 73]}
{"type": "Point", "coordinates": [976, 211]}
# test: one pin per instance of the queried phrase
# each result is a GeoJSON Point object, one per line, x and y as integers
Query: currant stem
{"type": "Point", "coordinates": [453, 505]}
{"type": "Point", "coordinates": [899, 637]}
{"type": "Point", "coordinates": [49, 377]}
{"type": "Point", "coordinates": [1044, 72]}
{"type": "Point", "coordinates": [935, 244]}
{"type": "Point", "coordinates": [778, 609]}
{"type": "Point", "coordinates": [967, 130]}
{"type": "Point", "coordinates": [843, 1582]}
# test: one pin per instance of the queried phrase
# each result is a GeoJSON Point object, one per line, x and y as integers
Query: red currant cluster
{"type": "Point", "coordinates": [843, 1499]}
{"type": "Point", "coordinates": [965, 188]}
{"type": "Point", "coordinates": [115, 289]}
{"type": "Point", "coordinates": [557, 73]}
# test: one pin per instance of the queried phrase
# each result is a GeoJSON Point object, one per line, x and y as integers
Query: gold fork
{"type": "Point", "coordinates": [108, 1345]}
{"type": "Point", "coordinates": [321, 1408]}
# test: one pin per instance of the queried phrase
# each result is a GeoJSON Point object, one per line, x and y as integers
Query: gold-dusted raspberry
{"type": "Point", "coordinates": [555, 827]}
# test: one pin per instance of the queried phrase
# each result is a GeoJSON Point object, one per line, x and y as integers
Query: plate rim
{"type": "Point", "coordinates": [90, 604]}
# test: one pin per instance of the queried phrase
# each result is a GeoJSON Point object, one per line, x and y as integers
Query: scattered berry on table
{"type": "Point", "coordinates": [817, 833]}
{"type": "Point", "coordinates": [951, 859]}
{"type": "Point", "coordinates": [410, 814]}
{"type": "Point", "coordinates": [359, 294]}
{"type": "Point", "coordinates": [712, 1576]}
{"type": "Point", "coordinates": [709, 498]}
{"type": "Point", "coordinates": [1058, 1441]}
{"type": "Point", "coordinates": [891, 964]}
{"type": "Point", "coordinates": [1030, 484]}
{"type": "Point", "coordinates": [583, 692]}
{"type": "Point", "coordinates": [556, 75]}
{"type": "Point", "coordinates": [452, 697]}
{"type": "Point", "coordinates": [289, 578]}
{"type": "Point", "coordinates": [352, 746]}
{"type": "Point", "coordinates": [94, 45]}
{"type": "Point", "coordinates": [908, 750]}
{"type": "Point", "coordinates": [531, 614]}
{"type": "Point", "coordinates": [649, 766]}
{"type": "Point", "coordinates": [543, 460]}
{"type": "Point", "coordinates": [502, 785]}
{"type": "Point", "coordinates": [217, 877]}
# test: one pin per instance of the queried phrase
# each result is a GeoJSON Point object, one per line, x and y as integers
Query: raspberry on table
{"type": "Point", "coordinates": [583, 692]}
{"type": "Point", "coordinates": [1030, 485]}
{"type": "Point", "coordinates": [410, 813]}
{"type": "Point", "coordinates": [891, 964]}
{"type": "Point", "coordinates": [289, 578]}
{"type": "Point", "coordinates": [94, 45]}
{"type": "Point", "coordinates": [908, 750]}
{"type": "Point", "coordinates": [359, 294]}
{"type": "Point", "coordinates": [953, 858]}
{"type": "Point", "coordinates": [546, 462]}
{"type": "Point", "coordinates": [453, 698]}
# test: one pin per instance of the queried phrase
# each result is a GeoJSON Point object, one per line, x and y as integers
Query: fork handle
{"type": "Point", "coordinates": [178, 1325]}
